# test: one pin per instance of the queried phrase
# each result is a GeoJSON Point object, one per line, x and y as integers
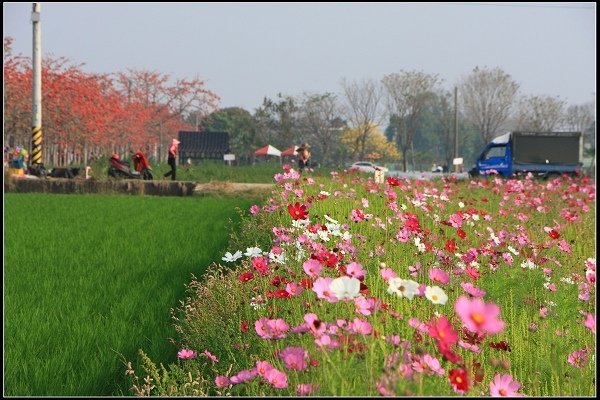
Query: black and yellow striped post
{"type": "Point", "coordinates": [36, 146]}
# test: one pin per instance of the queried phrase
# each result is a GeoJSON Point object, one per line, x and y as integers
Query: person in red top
{"type": "Point", "coordinates": [172, 154]}
{"type": "Point", "coordinates": [141, 165]}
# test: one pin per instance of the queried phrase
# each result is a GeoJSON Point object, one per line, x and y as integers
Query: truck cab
{"type": "Point", "coordinates": [496, 156]}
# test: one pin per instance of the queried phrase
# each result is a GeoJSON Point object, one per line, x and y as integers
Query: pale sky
{"type": "Point", "coordinates": [246, 51]}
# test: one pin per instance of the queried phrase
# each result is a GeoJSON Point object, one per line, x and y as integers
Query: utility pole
{"type": "Point", "coordinates": [36, 123]}
{"type": "Point", "coordinates": [456, 125]}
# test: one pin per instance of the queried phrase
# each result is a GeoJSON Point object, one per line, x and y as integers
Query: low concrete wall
{"type": "Point", "coordinates": [82, 186]}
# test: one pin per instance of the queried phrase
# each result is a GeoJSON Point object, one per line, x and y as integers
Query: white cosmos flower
{"type": "Point", "coordinates": [345, 287]}
{"type": "Point", "coordinates": [403, 287]}
{"type": "Point", "coordinates": [419, 245]}
{"type": "Point", "coordinates": [328, 218]}
{"type": "Point", "coordinates": [323, 235]}
{"type": "Point", "coordinates": [277, 258]}
{"type": "Point", "coordinates": [346, 236]}
{"type": "Point", "coordinates": [253, 252]}
{"type": "Point", "coordinates": [232, 257]}
{"type": "Point", "coordinates": [512, 250]}
{"type": "Point", "coordinates": [436, 295]}
{"type": "Point", "coordinates": [528, 264]}
{"type": "Point", "coordinates": [461, 204]}
{"type": "Point", "coordinates": [301, 223]}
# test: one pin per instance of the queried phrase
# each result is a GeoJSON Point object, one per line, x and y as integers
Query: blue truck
{"type": "Point", "coordinates": [544, 154]}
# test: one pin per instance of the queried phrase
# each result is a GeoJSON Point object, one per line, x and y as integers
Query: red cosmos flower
{"type": "Point", "coordinates": [306, 283]}
{"type": "Point", "coordinates": [450, 245]}
{"type": "Point", "coordinates": [472, 337]}
{"type": "Point", "coordinates": [461, 234]}
{"type": "Point", "coordinates": [478, 372]}
{"type": "Point", "coordinates": [246, 276]}
{"type": "Point", "coordinates": [297, 211]}
{"type": "Point", "coordinates": [448, 353]}
{"type": "Point", "coordinates": [279, 294]}
{"type": "Point", "coordinates": [458, 379]}
{"type": "Point", "coordinates": [501, 345]}
{"type": "Point", "coordinates": [277, 280]}
{"type": "Point", "coordinates": [412, 223]}
{"type": "Point", "coordinates": [393, 181]}
{"type": "Point", "coordinates": [244, 326]}
{"type": "Point", "coordinates": [327, 258]}
{"type": "Point", "coordinates": [472, 272]}
{"type": "Point", "coordinates": [553, 234]}
{"type": "Point", "coordinates": [364, 289]}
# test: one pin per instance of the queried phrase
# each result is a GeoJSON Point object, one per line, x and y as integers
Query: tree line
{"type": "Point", "coordinates": [405, 118]}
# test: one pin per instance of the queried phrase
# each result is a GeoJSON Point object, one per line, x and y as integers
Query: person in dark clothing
{"type": "Point", "coordinates": [303, 157]}
{"type": "Point", "coordinates": [172, 155]}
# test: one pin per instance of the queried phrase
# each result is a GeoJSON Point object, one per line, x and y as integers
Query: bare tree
{"type": "Point", "coordinates": [581, 118]}
{"type": "Point", "coordinates": [540, 113]}
{"type": "Point", "coordinates": [486, 99]}
{"type": "Point", "coordinates": [319, 116]}
{"type": "Point", "coordinates": [362, 110]}
{"type": "Point", "coordinates": [408, 93]}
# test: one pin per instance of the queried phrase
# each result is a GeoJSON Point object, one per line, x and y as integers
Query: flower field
{"type": "Point", "coordinates": [340, 286]}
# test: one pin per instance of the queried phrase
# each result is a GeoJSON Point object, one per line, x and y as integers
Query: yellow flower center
{"type": "Point", "coordinates": [478, 318]}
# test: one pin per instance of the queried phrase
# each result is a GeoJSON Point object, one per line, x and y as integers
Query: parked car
{"type": "Point", "coordinates": [366, 166]}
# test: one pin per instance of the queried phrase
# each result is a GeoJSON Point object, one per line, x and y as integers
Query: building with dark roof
{"type": "Point", "coordinates": [202, 145]}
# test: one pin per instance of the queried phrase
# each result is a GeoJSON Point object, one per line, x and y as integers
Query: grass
{"type": "Point", "coordinates": [219, 304]}
{"type": "Point", "coordinates": [89, 280]}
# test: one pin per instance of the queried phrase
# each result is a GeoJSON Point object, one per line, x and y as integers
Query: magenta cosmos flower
{"type": "Point", "coordinates": [186, 354]}
{"type": "Point", "coordinates": [504, 386]}
{"type": "Point", "coordinates": [477, 316]}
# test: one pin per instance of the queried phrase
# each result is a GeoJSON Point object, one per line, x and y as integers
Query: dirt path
{"type": "Point", "coordinates": [233, 188]}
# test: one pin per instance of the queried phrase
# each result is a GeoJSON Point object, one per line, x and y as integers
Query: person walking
{"type": "Point", "coordinates": [173, 150]}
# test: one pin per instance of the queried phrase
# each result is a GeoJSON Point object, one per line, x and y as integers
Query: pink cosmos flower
{"type": "Point", "coordinates": [312, 267]}
{"type": "Point", "coordinates": [294, 358]}
{"type": "Point", "coordinates": [579, 358]}
{"type": "Point", "coordinates": [472, 289]}
{"type": "Point", "coordinates": [293, 289]}
{"type": "Point", "coordinates": [456, 220]}
{"type": "Point", "coordinates": [355, 270]}
{"type": "Point", "coordinates": [254, 209]}
{"type": "Point", "coordinates": [212, 357]}
{"type": "Point", "coordinates": [439, 276]}
{"type": "Point", "coordinates": [260, 264]}
{"type": "Point", "coordinates": [477, 316]}
{"type": "Point", "coordinates": [357, 215]}
{"type": "Point", "coordinates": [321, 288]}
{"type": "Point", "coordinates": [503, 385]}
{"type": "Point", "coordinates": [360, 326]}
{"type": "Point", "coordinates": [387, 273]}
{"type": "Point", "coordinates": [186, 354]}
{"type": "Point", "coordinates": [564, 246]}
{"type": "Point", "coordinates": [316, 326]}
{"type": "Point", "coordinates": [262, 367]}
{"type": "Point", "coordinates": [590, 322]}
{"type": "Point", "coordinates": [276, 378]}
{"type": "Point", "coordinates": [433, 364]}
{"type": "Point", "coordinates": [222, 381]}
{"type": "Point", "coordinates": [243, 376]}
{"type": "Point", "coordinates": [304, 389]}
{"type": "Point", "coordinates": [365, 306]}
